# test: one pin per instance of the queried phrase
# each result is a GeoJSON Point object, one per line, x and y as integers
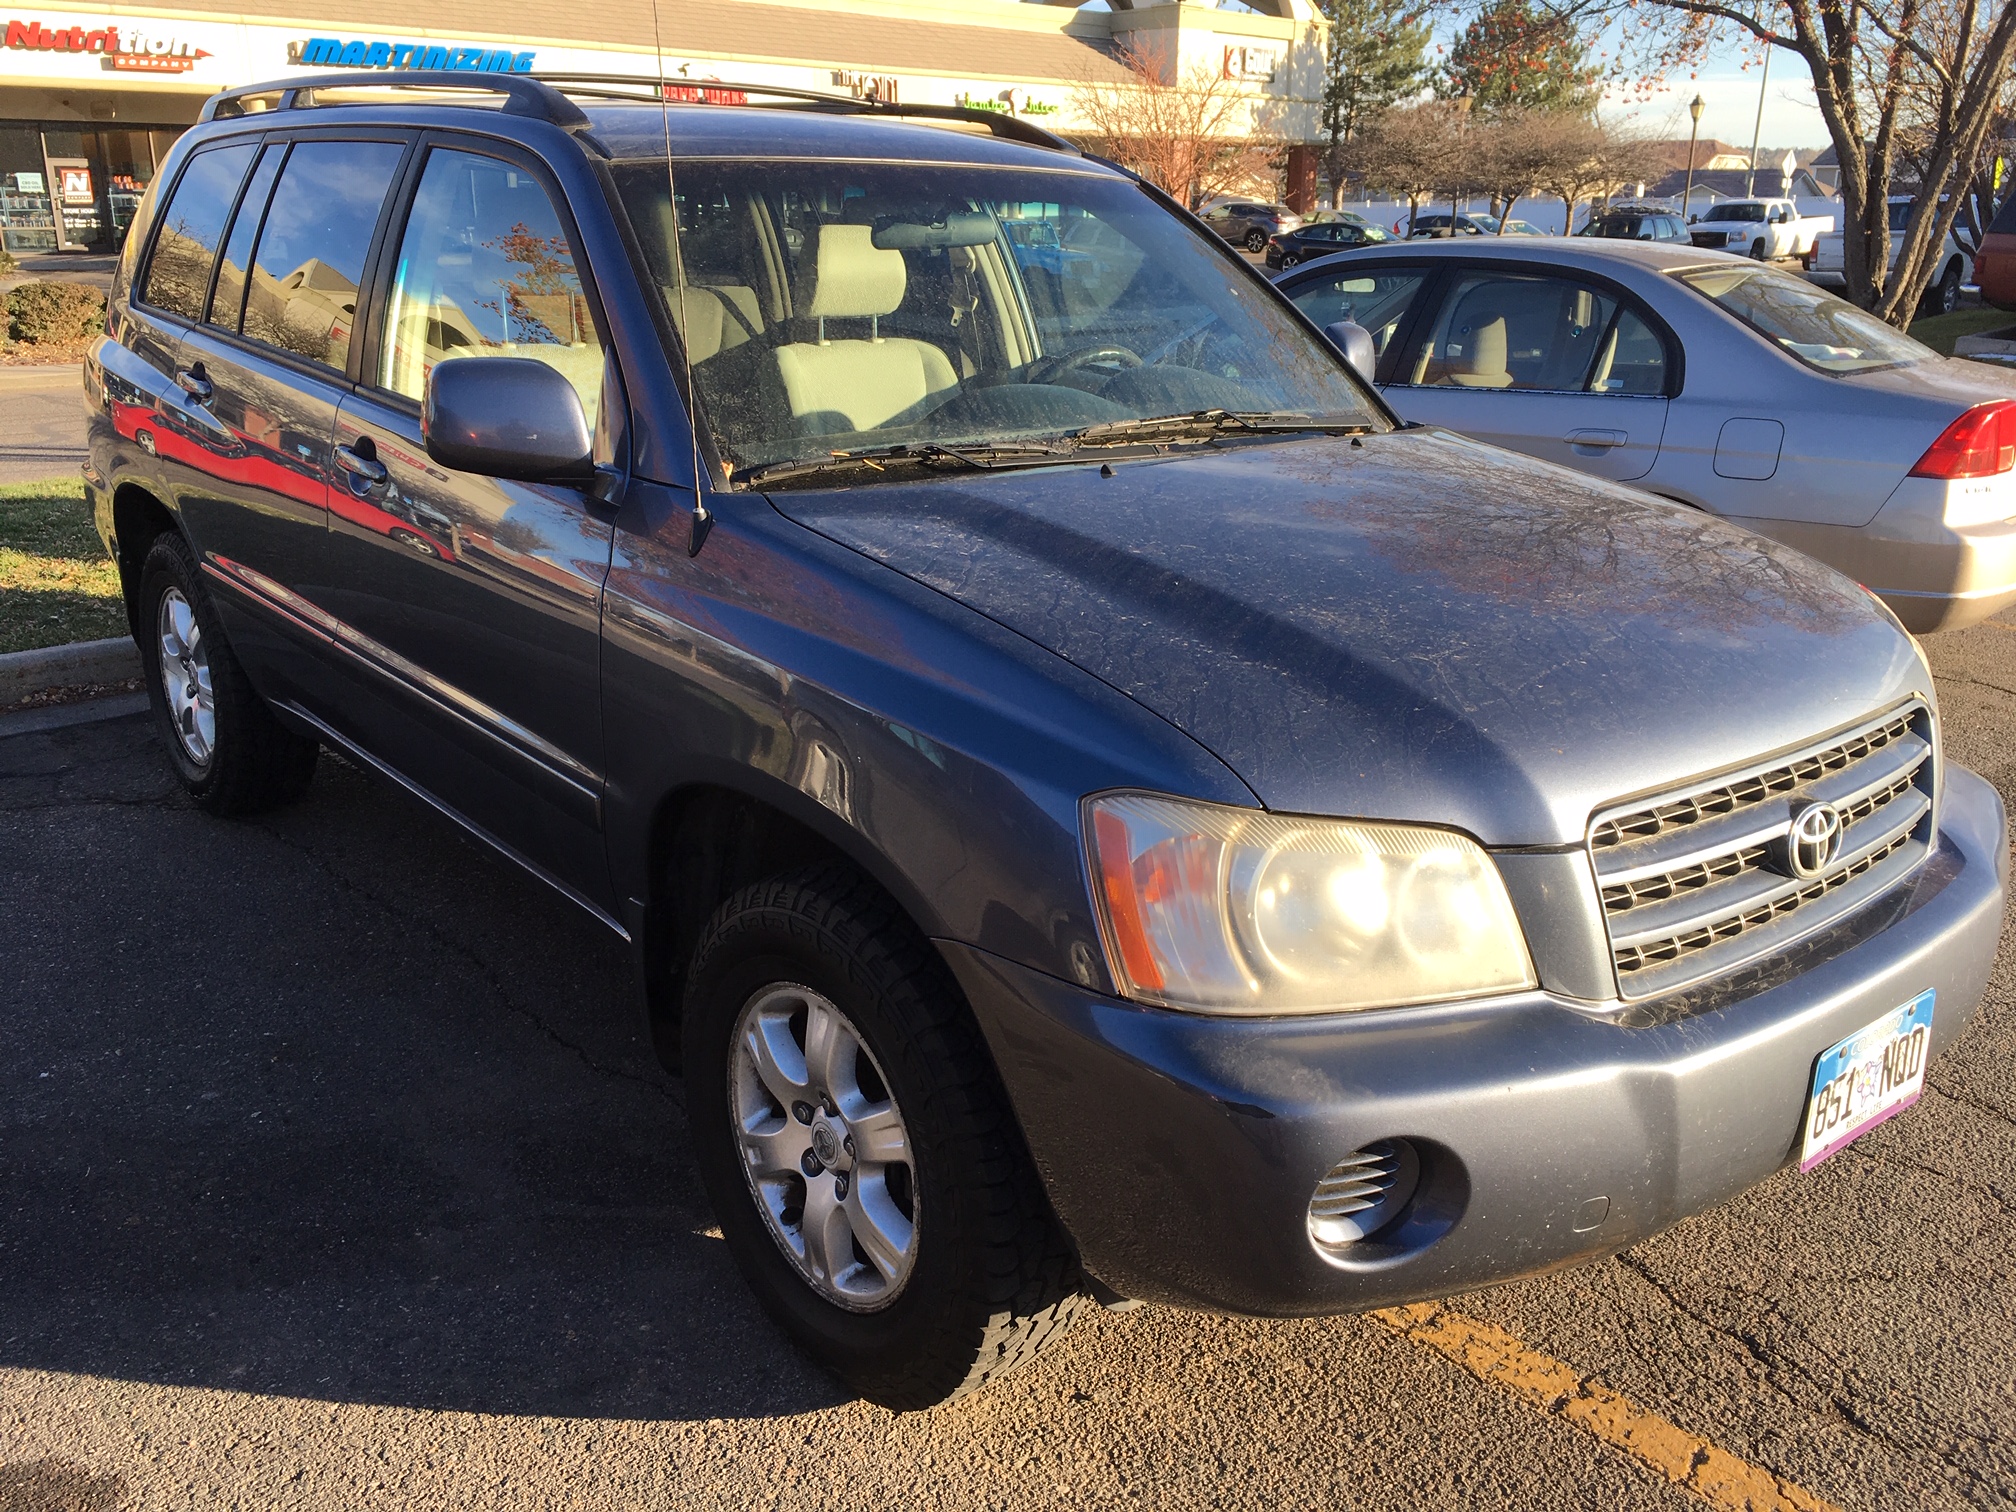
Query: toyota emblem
{"type": "Point", "coordinates": [1814, 839]}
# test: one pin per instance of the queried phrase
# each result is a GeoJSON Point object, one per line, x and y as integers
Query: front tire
{"type": "Point", "coordinates": [1757, 249]}
{"type": "Point", "coordinates": [1943, 298]}
{"type": "Point", "coordinates": [907, 1246]}
{"type": "Point", "coordinates": [232, 756]}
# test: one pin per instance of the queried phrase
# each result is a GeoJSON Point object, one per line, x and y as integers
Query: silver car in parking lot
{"type": "Point", "coordinates": [1711, 380]}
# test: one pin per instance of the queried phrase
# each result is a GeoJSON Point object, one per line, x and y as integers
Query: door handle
{"type": "Point", "coordinates": [194, 382]}
{"type": "Point", "coordinates": [1599, 440]}
{"type": "Point", "coordinates": [370, 469]}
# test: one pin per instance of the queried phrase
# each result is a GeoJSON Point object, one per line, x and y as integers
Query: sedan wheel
{"type": "Point", "coordinates": [1289, 259]}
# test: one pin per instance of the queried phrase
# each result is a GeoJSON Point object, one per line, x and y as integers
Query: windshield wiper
{"type": "Point", "coordinates": [984, 456]}
{"type": "Point", "coordinates": [1204, 424]}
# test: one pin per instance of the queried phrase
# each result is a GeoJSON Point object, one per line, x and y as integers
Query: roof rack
{"type": "Point", "coordinates": [536, 95]}
{"type": "Point", "coordinates": [525, 95]}
{"type": "Point", "coordinates": [617, 87]}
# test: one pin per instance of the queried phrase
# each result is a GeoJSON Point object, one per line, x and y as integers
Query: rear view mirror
{"type": "Point", "coordinates": [1355, 342]}
{"type": "Point", "coordinates": [962, 229]}
{"type": "Point", "coordinates": [506, 417]}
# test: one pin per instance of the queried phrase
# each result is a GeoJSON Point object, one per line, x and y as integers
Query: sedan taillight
{"type": "Point", "coordinates": [1980, 444]}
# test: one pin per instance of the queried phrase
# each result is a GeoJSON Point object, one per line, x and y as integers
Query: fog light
{"type": "Point", "coordinates": [1363, 1193]}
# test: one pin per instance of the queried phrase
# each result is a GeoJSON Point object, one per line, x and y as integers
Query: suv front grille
{"type": "Point", "coordinates": [1696, 881]}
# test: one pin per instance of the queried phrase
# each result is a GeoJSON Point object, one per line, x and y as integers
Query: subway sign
{"type": "Point", "coordinates": [373, 52]}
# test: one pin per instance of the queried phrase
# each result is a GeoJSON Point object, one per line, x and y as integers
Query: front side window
{"type": "Point", "coordinates": [178, 274]}
{"type": "Point", "coordinates": [1377, 300]}
{"type": "Point", "coordinates": [485, 270]}
{"type": "Point", "coordinates": [1511, 331]}
{"type": "Point", "coordinates": [302, 293]}
{"type": "Point", "coordinates": [829, 306]}
{"type": "Point", "coordinates": [1800, 318]}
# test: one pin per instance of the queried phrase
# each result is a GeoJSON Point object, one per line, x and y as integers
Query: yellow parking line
{"type": "Point", "coordinates": [1497, 1358]}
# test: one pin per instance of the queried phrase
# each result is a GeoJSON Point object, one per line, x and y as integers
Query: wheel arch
{"type": "Point", "coordinates": [139, 518]}
{"type": "Point", "coordinates": [708, 840]}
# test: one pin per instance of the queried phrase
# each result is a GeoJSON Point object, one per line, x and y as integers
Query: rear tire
{"type": "Point", "coordinates": [1289, 259]}
{"type": "Point", "coordinates": [1943, 298]}
{"type": "Point", "coordinates": [1256, 240]}
{"type": "Point", "coordinates": [232, 756]}
{"type": "Point", "coordinates": [975, 1277]}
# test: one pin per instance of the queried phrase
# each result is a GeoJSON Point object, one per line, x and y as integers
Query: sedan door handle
{"type": "Point", "coordinates": [1600, 440]}
{"type": "Point", "coordinates": [194, 382]}
{"type": "Point", "coordinates": [370, 469]}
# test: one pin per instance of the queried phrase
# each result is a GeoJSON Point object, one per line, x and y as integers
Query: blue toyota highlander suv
{"type": "Point", "coordinates": [1101, 810]}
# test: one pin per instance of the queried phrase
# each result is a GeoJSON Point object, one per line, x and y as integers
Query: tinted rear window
{"type": "Point", "coordinates": [302, 295]}
{"type": "Point", "coordinates": [2005, 218]}
{"type": "Point", "coordinates": [178, 274]}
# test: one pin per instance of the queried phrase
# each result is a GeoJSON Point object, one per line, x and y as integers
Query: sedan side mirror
{"type": "Point", "coordinates": [1355, 342]}
{"type": "Point", "coordinates": [506, 417]}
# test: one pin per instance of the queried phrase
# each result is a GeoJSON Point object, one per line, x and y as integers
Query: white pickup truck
{"type": "Point", "coordinates": [1767, 229]}
{"type": "Point", "coordinates": [1953, 269]}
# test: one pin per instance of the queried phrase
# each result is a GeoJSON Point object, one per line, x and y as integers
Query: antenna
{"type": "Point", "coordinates": [702, 519]}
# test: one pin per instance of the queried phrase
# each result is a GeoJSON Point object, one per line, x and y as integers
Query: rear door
{"type": "Point", "coordinates": [1554, 365]}
{"type": "Point", "coordinates": [476, 601]}
{"type": "Point", "coordinates": [262, 375]}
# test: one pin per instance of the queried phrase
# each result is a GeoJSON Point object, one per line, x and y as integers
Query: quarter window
{"type": "Point", "coordinates": [485, 270]}
{"type": "Point", "coordinates": [302, 295]}
{"type": "Point", "coordinates": [1504, 331]}
{"type": "Point", "coordinates": [178, 274]}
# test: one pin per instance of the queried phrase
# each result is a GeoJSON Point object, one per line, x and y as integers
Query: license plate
{"type": "Point", "coordinates": [1871, 1075]}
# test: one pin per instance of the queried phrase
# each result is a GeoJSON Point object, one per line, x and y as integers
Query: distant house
{"type": "Point", "coordinates": [1708, 153]}
{"type": "Point", "coordinates": [1826, 169]}
{"type": "Point", "coordinates": [1783, 179]}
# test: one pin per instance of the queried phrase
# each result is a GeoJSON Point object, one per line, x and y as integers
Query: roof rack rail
{"type": "Point", "coordinates": [613, 87]}
{"type": "Point", "coordinates": [525, 95]}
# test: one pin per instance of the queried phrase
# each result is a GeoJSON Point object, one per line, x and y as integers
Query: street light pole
{"type": "Point", "coordinates": [1757, 131]}
{"type": "Point", "coordinates": [1694, 109]}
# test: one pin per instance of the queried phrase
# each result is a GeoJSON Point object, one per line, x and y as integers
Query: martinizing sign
{"type": "Point", "coordinates": [332, 52]}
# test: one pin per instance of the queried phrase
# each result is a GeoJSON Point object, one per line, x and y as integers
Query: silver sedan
{"type": "Point", "coordinates": [1708, 379]}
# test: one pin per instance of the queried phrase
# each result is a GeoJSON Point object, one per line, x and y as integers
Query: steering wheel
{"type": "Point", "coordinates": [1050, 369]}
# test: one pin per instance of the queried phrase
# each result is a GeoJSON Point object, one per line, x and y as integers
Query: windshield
{"type": "Point", "coordinates": [831, 307]}
{"type": "Point", "coordinates": [1822, 331]}
{"type": "Point", "coordinates": [1735, 213]}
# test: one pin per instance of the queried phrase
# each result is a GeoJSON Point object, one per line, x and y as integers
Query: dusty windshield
{"type": "Point", "coordinates": [833, 307]}
{"type": "Point", "coordinates": [1827, 333]}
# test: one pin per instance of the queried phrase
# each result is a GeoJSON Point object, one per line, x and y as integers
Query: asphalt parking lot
{"type": "Point", "coordinates": [334, 1174]}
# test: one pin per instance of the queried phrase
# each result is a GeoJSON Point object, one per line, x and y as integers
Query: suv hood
{"type": "Point", "coordinates": [1418, 628]}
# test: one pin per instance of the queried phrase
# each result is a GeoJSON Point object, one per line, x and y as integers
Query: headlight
{"type": "Point", "coordinates": [1230, 910]}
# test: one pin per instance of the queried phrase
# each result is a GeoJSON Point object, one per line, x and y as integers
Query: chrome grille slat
{"type": "Point", "coordinates": [1782, 780]}
{"type": "Point", "coordinates": [1698, 880]}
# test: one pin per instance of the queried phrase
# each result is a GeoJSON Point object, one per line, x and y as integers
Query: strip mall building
{"type": "Point", "coordinates": [91, 98]}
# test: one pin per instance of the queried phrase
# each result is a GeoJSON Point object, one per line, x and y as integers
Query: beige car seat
{"type": "Point", "coordinates": [855, 384]}
{"type": "Point", "coordinates": [1481, 361]}
{"type": "Point", "coordinates": [715, 318]}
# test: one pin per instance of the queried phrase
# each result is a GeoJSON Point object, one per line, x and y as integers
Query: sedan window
{"type": "Point", "coordinates": [1824, 332]}
{"type": "Point", "coordinates": [1502, 331]}
{"type": "Point", "coordinates": [1377, 301]}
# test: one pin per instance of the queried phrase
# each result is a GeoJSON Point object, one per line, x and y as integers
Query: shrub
{"type": "Point", "coordinates": [54, 313]}
{"type": "Point", "coordinates": [7, 262]}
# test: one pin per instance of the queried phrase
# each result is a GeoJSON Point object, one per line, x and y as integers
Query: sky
{"type": "Point", "coordinates": [1729, 103]}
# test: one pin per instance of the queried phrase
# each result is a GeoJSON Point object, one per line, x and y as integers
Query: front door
{"type": "Point", "coordinates": [73, 195]}
{"type": "Point", "coordinates": [483, 596]}
{"type": "Point", "coordinates": [1561, 369]}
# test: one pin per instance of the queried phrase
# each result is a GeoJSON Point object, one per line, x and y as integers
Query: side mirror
{"type": "Point", "coordinates": [1355, 342]}
{"type": "Point", "coordinates": [506, 417]}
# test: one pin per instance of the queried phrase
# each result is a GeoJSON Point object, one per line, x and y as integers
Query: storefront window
{"type": "Point", "coordinates": [26, 224]}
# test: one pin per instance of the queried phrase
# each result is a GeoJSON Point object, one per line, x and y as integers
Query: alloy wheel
{"type": "Point", "coordinates": [185, 677]}
{"type": "Point", "coordinates": [824, 1147]}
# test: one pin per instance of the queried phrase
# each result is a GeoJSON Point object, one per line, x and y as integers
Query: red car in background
{"type": "Point", "coordinates": [1995, 263]}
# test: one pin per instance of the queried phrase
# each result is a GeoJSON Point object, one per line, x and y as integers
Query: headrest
{"type": "Point", "coordinates": [854, 277]}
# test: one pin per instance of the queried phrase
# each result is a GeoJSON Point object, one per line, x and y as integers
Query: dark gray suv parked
{"type": "Point", "coordinates": [1100, 809]}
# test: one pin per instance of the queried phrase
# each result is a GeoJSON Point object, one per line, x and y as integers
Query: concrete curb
{"type": "Point", "coordinates": [104, 661]}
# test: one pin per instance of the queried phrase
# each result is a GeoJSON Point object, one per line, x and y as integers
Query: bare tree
{"type": "Point", "coordinates": [1884, 72]}
{"type": "Point", "coordinates": [1577, 158]}
{"type": "Point", "coordinates": [1419, 152]}
{"type": "Point", "coordinates": [1190, 133]}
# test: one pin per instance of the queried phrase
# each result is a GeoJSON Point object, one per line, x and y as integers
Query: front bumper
{"type": "Point", "coordinates": [1180, 1150]}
